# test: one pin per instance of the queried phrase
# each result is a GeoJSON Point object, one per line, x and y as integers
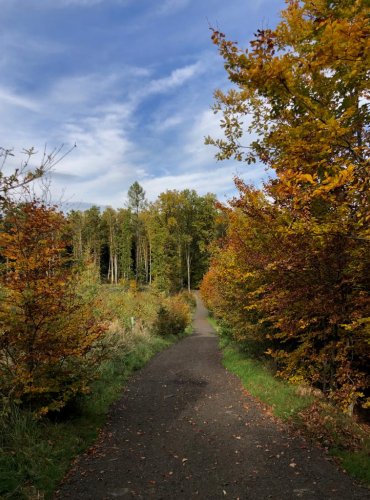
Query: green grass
{"type": "Point", "coordinates": [345, 440]}
{"type": "Point", "coordinates": [213, 323]}
{"type": "Point", "coordinates": [356, 464]}
{"type": "Point", "coordinates": [257, 378]}
{"type": "Point", "coordinates": [34, 456]}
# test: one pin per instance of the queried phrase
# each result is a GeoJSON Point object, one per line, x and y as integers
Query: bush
{"type": "Point", "coordinates": [174, 315]}
{"type": "Point", "coordinates": [189, 298]}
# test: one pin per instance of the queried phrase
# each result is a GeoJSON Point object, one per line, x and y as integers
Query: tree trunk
{"type": "Point", "coordinates": [115, 269]}
{"type": "Point", "coordinates": [150, 263]}
{"type": "Point", "coordinates": [109, 268]}
{"type": "Point", "coordinates": [188, 267]}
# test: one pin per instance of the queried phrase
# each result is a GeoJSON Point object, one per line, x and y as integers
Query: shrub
{"type": "Point", "coordinates": [174, 315]}
{"type": "Point", "coordinates": [189, 298]}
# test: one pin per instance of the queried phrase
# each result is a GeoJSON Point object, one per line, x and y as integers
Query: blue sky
{"type": "Point", "coordinates": [130, 82]}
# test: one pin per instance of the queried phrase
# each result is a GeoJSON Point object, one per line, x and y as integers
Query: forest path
{"type": "Point", "coordinates": [184, 428]}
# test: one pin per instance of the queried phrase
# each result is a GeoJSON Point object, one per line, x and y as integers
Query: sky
{"type": "Point", "coordinates": [131, 83]}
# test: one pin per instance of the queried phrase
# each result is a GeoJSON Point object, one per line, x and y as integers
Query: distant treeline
{"type": "Point", "coordinates": [165, 243]}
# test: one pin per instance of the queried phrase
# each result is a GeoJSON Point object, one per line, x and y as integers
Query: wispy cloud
{"type": "Point", "coordinates": [9, 97]}
{"type": "Point", "coordinates": [177, 78]}
{"type": "Point", "coordinates": [83, 89]}
{"type": "Point", "coordinates": [172, 6]}
{"type": "Point", "coordinates": [170, 122]}
{"type": "Point", "coordinates": [196, 153]}
{"type": "Point", "coordinates": [102, 142]}
{"type": "Point", "coordinates": [131, 86]}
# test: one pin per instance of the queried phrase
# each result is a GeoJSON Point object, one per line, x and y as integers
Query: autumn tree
{"type": "Point", "coordinates": [304, 88]}
{"type": "Point", "coordinates": [48, 330]}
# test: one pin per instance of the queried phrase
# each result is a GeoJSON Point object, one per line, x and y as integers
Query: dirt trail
{"type": "Point", "coordinates": [185, 429]}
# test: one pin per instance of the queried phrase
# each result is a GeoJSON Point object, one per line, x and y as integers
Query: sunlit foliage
{"type": "Point", "coordinates": [296, 259]}
{"type": "Point", "coordinates": [48, 331]}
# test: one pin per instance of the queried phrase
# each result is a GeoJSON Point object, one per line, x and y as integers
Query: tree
{"type": "Point", "coordinates": [136, 203]}
{"type": "Point", "coordinates": [125, 236]}
{"type": "Point", "coordinates": [188, 227]}
{"type": "Point", "coordinates": [92, 237]}
{"type": "Point", "coordinates": [76, 223]}
{"type": "Point", "coordinates": [48, 330]}
{"type": "Point", "coordinates": [136, 198]}
{"type": "Point", "coordinates": [110, 222]}
{"type": "Point", "coordinates": [305, 89]}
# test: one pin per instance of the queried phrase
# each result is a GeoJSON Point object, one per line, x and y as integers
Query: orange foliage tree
{"type": "Point", "coordinates": [302, 246]}
{"type": "Point", "coordinates": [48, 332]}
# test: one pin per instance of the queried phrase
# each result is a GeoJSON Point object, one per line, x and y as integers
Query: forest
{"type": "Point", "coordinates": [283, 267]}
{"type": "Point", "coordinates": [165, 243]}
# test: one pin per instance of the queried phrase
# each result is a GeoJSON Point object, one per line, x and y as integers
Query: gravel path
{"type": "Point", "coordinates": [184, 429]}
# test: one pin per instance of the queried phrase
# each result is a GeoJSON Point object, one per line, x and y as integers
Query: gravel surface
{"type": "Point", "coordinates": [184, 428]}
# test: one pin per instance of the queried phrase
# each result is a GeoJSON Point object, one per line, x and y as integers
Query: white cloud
{"type": "Point", "coordinates": [89, 110]}
{"type": "Point", "coordinates": [207, 123]}
{"type": "Point", "coordinates": [8, 97]}
{"type": "Point", "coordinates": [79, 89]}
{"type": "Point", "coordinates": [62, 83]}
{"type": "Point", "coordinates": [196, 152]}
{"type": "Point", "coordinates": [102, 142]}
{"type": "Point", "coordinates": [170, 122]}
{"type": "Point", "coordinates": [177, 78]}
{"type": "Point", "coordinates": [203, 182]}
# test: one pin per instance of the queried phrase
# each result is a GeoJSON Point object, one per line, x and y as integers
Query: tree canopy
{"type": "Point", "coordinates": [296, 255]}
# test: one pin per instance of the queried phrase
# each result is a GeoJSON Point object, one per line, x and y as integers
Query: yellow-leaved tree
{"type": "Point", "coordinates": [49, 333]}
{"type": "Point", "coordinates": [304, 88]}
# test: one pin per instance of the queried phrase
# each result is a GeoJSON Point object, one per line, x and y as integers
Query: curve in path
{"type": "Point", "coordinates": [184, 429]}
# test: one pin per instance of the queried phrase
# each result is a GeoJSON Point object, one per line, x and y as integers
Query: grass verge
{"type": "Point", "coordinates": [35, 455]}
{"type": "Point", "coordinates": [321, 422]}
